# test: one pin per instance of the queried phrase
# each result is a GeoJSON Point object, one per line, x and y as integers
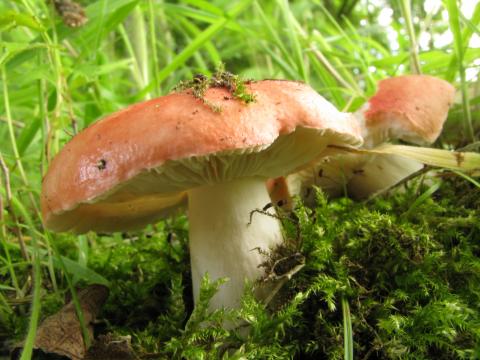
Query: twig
{"type": "Point", "coordinates": [15, 123]}
{"type": "Point", "coordinates": [424, 170]}
{"type": "Point", "coordinates": [263, 212]}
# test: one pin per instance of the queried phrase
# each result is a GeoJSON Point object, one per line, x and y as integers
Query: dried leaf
{"type": "Point", "coordinates": [60, 335]}
{"type": "Point", "coordinates": [72, 13]}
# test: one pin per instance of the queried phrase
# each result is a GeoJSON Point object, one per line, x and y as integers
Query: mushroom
{"type": "Point", "coordinates": [412, 108]}
{"type": "Point", "coordinates": [135, 166]}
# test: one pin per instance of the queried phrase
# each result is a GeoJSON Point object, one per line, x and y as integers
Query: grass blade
{"type": "Point", "coordinates": [422, 198]}
{"type": "Point", "coordinates": [407, 15]}
{"type": "Point", "coordinates": [347, 330]}
{"type": "Point", "coordinates": [453, 160]}
{"type": "Point", "coordinates": [454, 20]}
{"type": "Point", "coordinates": [199, 41]}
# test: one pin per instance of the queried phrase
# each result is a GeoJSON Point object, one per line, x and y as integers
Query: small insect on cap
{"type": "Point", "coordinates": [134, 166]}
{"type": "Point", "coordinates": [412, 108]}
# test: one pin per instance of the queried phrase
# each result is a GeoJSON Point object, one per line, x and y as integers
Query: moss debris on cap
{"type": "Point", "coordinates": [220, 79]}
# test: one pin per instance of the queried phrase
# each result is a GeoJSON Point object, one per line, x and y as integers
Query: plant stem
{"type": "Point", "coordinates": [13, 138]}
{"type": "Point", "coordinates": [407, 15]}
{"type": "Point", "coordinates": [153, 45]}
{"type": "Point", "coordinates": [138, 37]}
{"type": "Point", "coordinates": [453, 18]}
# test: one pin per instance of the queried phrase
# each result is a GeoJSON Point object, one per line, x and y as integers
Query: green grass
{"type": "Point", "coordinates": [396, 277]}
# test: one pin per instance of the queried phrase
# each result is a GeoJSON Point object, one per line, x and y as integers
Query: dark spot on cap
{"type": "Point", "coordinates": [102, 164]}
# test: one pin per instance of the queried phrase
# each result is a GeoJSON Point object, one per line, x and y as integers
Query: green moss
{"type": "Point", "coordinates": [221, 78]}
{"type": "Point", "coordinates": [411, 280]}
{"type": "Point", "coordinates": [412, 283]}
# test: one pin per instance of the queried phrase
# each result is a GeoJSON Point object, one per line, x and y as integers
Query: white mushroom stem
{"type": "Point", "coordinates": [222, 243]}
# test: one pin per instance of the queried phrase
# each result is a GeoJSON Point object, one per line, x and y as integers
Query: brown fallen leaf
{"type": "Point", "coordinates": [59, 336]}
{"type": "Point", "coordinates": [72, 13]}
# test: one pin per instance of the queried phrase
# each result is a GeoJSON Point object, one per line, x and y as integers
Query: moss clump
{"type": "Point", "coordinates": [411, 284]}
{"type": "Point", "coordinates": [221, 78]}
{"type": "Point", "coordinates": [411, 281]}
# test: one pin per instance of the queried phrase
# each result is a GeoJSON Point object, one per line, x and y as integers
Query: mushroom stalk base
{"type": "Point", "coordinates": [222, 243]}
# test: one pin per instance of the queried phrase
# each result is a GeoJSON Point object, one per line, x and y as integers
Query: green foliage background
{"type": "Point", "coordinates": [406, 265]}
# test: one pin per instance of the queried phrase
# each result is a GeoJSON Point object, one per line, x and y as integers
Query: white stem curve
{"type": "Point", "coordinates": [221, 241]}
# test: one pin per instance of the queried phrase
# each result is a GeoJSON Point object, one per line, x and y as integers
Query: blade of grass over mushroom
{"type": "Point", "coordinates": [456, 160]}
